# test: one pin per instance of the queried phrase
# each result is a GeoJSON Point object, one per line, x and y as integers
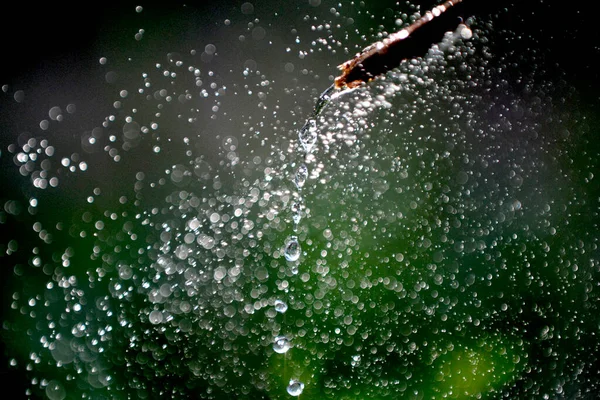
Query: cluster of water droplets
{"type": "Point", "coordinates": [440, 235]}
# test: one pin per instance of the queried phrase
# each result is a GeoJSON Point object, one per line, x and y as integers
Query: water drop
{"type": "Point", "coordinates": [55, 113]}
{"type": "Point", "coordinates": [55, 391]}
{"type": "Point", "coordinates": [296, 212]}
{"type": "Point", "coordinates": [281, 345]}
{"type": "Point", "coordinates": [292, 249]}
{"type": "Point", "coordinates": [301, 176]}
{"type": "Point", "coordinates": [19, 96]}
{"type": "Point", "coordinates": [280, 306]}
{"type": "Point", "coordinates": [308, 135]}
{"type": "Point", "coordinates": [156, 317]}
{"type": "Point", "coordinates": [295, 387]}
{"type": "Point", "coordinates": [465, 32]}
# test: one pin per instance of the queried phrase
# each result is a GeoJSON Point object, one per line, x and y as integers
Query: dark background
{"type": "Point", "coordinates": [63, 33]}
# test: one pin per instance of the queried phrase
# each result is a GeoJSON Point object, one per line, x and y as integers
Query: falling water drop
{"type": "Point", "coordinates": [281, 345]}
{"type": "Point", "coordinates": [301, 175]}
{"type": "Point", "coordinates": [295, 387]}
{"type": "Point", "coordinates": [280, 306]}
{"type": "Point", "coordinates": [296, 212]}
{"type": "Point", "coordinates": [308, 135]}
{"type": "Point", "coordinates": [292, 249]}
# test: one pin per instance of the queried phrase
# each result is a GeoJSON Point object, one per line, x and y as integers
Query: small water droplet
{"type": "Point", "coordinates": [308, 135]}
{"type": "Point", "coordinates": [295, 387]}
{"type": "Point", "coordinates": [296, 212]}
{"type": "Point", "coordinates": [292, 249]}
{"type": "Point", "coordinates": [301, 176]}
{"type": "Point", "coordinates": [281, 345]}
{"type": "Point", "coordinates": [280, 306]}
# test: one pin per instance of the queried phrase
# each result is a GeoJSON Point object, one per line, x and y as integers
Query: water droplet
{"type": "Point", "coordinates": [465, 32]}
{"type": "Point", "coordinates": [308, 135]}
{"type": "Point", "coordinates": [295, 387]}
{"type": "Point", "coordinates": [292, 249]}
{"type": "Point", "coordinates": [280, 306]}
{"type": "Point", "coordinates": [296, 212]}
{"type": "Point", "coordinates": [301, 176]}
{"type": "Point", "coordinates": [281, 345]}
{"type": "Point", "coordinates": [55, 391]}
{"type": "Point", "coordinates": [19, 96]}
{"type": "Point", "coordinates": [156, 317]}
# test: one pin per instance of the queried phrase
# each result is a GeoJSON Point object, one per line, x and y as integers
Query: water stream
{"type": "Point", "coordinates": [307, 138]}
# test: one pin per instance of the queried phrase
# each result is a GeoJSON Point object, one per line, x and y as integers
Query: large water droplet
{"type": "Point", "coordinates": [308, 135]}
{"type": "Point", "coordinates": [55, 391]}
{"type": "Point", "coordinates": [301, 175]}
{"type": "Point", "coordinates": [292, 249]}
{"type": "Point", "coordinates": [281, 345]}
{"type": "Point", "coordinates": [295, 387]}
{"type": "Point", "coordinates": [280, 306]}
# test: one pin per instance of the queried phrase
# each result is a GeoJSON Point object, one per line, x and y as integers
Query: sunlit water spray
{"type": "Point", "coordinates": [203, 239]}
{"type": "Point", "coordinates": [370, 63]}
{"type": "Point", "coordinates": [309, 133]}
{"type": "Point", "coordinates": [438, 234]}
